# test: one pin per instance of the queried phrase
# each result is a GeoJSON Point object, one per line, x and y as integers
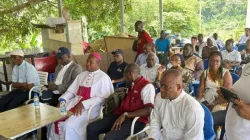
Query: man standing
{"type": "Point", "coordinates": [201, 43]}
{"type": "Point", "coordinates": [178, 114]}
{"type": "Point", "coordinates": [90, 88]}
{"type": "Point", "coordinates": [163, 45]}
{"type": "Point", "coordinates": [230, 57]}
{"type": "Point", "coordinates": [143, 37]}
{"type": "Point", "coordinates": [65, 73]}
{"type": "Point", "coordinates": [116, 68]}
{"type": "Point", "coordinates": [24, 77]}
{"type": "Point", "coordinates": [138, 102]}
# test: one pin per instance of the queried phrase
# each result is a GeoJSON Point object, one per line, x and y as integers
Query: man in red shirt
{"type": "Point", "coordinates": [143, 37]}
{"type": "Point", "coordinates": [138, 102]}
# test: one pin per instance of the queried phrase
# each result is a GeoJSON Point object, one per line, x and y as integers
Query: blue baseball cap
{"type": "Point", "coordinates": [62, 51]}
{"type": "Point", "coordinates": [118, 51]}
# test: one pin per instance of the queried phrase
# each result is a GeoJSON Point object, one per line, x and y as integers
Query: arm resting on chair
{"type": "Point", "coordinates": [142, 112]}
{"type": "Point", "coordinates": [23, 86]}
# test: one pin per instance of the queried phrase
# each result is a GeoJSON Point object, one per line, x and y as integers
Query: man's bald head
{"type": "Point", "coordinates": [150, 59]}
{"type": "Point", "coordinates": [132, 68]}
{"type": "Point", "coordinates": [171, 84]}
{"type": "Point", "coordinates": [151, 55]}
{"type": "Point", "coordinates": [173, 75]}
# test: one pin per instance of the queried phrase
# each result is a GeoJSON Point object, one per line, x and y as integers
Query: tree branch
{"type": "Point", "coordinates": [20, 7]}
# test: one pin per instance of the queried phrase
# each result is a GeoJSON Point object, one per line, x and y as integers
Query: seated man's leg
{"type": "Point", "coordinates": [75, 126]}
{"type": "Point", "coordinates": [21, 98]}
{"type": "Point", "coordinates": [98, 127]}
{"type": "Point", "coordinates": [50, 98]}
{"type": "Point", "coordinates": [124, 132]}
{"type": "Point", "coordinates": [54, 100]}
{"type": "Point", "coordinates": [5, 100]}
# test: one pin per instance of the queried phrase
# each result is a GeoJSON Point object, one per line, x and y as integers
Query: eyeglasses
{"type": "Point", "coordinates": [165, 87]}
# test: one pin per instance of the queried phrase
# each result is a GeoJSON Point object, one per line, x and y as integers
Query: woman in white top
{"type": "Point", "coordinates": [238, 116]}
{"type": "Point", "coordinates": [211, 79]}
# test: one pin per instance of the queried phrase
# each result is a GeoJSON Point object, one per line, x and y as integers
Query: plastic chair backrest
{"type": "Point", "coordinates": [43, 76]}
{"type": "Point", "coordinates": [51, 76]}
{"type": "Point", "coordinates": [208, 129]}
{"type": "Point", "coordinates": [242, 47]}
{"type": "Point", "coordinates": [235, 77]}
{"type": "Point", "coordinates": [120, 84]}
{"type": "Point", "coordinates": [205, 63]}
{"type": "Point", "coordinates": [47, 64]}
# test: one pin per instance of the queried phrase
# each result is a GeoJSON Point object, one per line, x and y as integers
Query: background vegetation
{"type": "Point", "coordinates": [226, 17]}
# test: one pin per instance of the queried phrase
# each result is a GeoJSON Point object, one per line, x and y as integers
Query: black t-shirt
{"type": "Point", "coordinates": [116, 71]}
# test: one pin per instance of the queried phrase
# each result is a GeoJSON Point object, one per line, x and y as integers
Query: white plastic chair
{"type": "Point", "coordinates": [100, 113]}
{"type": "Point", "coordinates": [43, 76]}
{"type": "Point", "coordinates": [132, 135]}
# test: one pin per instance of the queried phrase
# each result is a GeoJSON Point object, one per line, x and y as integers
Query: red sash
{"type": "Point", "coordinates": [84, 92]}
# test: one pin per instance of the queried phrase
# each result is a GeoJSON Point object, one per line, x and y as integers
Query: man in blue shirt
{"type": "Point", "coordinates": [163, 46]}
{"type": "Point", "coordinates": [116, 68]}
{"type": "Point", "coordinates": [24, 77]}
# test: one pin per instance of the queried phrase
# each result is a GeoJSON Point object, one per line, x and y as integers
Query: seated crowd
{"type": "Point", "coordinates": [157, 91]}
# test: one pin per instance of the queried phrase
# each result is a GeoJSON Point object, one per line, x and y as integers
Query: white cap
{"type": "Point", "coordinates": [17, 52]}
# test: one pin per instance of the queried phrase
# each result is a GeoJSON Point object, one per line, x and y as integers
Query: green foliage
{"type": "Point", "coordinates": [178, 16]}
{"type": "Point", "coordinates": [226, 17]}
{"type": "Point", "coordinates": [16, 29]}
{"type": "Point", "coordinates": [181, 16]}
{"type": "Point", "coordinates": [103, 16]}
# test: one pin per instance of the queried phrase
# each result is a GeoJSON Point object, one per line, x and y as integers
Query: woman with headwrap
{"type": "Point", "coordinates": [211, 46]}
{"type": "Point", "coordinates": [177, 62]}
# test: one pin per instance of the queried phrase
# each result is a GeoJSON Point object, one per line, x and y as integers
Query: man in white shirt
{"type": "Point", "coordinates": [218, 41]}
{"type": "Point", "coordinates": [245, 37]}
{"type": "Point", "coordinates": [141, 59]}
{"type": "Point", "coordinates": [201, 43]}
{"type": "Point", "coordinates": [65, 73]}
{"type": "Point", "coordinates": [178, 114]}
{"type": "Point", "coordinates": [149, 70]}
{"type": "Point", "coordinates": [90, 88]}
{"type": "Point", "coordinates": [230, 57]}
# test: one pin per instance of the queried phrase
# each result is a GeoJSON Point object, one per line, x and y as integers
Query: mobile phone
{"type": "Point", "coordinates": [229, 95]}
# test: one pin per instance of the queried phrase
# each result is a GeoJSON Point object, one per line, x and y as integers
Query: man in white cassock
{"type": "Point", "coordinates": [178, 114]}
{"type": "Point", "coordinates": [90, 87]}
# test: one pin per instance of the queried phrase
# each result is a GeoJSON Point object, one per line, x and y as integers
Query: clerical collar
{"type": "Point", "coordinates": [178, 98]}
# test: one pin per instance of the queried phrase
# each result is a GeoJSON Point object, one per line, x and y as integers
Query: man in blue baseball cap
{"type": "Point", "coordinates": [116, 68]}
{"type": "Point", "coordinates": [65, 73]}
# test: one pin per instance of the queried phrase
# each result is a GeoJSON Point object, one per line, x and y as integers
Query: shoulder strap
{"type": "Point", "coordinates": [205, 83]}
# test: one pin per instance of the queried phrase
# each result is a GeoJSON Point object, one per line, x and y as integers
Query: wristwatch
{"type": "Point", "coordinates": [125, 114]}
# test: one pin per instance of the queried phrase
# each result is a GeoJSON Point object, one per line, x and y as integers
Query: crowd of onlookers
{"type": "Point", "coordinates": [158, 85]}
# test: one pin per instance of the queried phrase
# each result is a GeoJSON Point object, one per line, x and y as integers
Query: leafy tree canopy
{"type": "Point", "coordinates": [226, 17]}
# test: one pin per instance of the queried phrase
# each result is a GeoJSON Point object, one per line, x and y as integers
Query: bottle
{"type": "Point", "coordinates": [63, 110]}
{"type": "Point", "coordinates": [36, 102]}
